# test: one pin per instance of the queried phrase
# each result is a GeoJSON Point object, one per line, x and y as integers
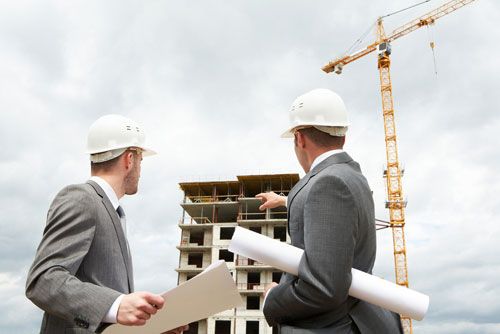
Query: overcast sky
{"type": "Point", "coordinates": [212, 81]}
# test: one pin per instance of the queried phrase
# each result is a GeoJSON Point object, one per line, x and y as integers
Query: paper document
{"type": "Point", "coordinates": [364, 286]}
{"type": "Point", "coordinates": [210, 292]}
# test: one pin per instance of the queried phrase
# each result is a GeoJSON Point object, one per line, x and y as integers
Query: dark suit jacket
{"type": "Point", "coordinates": [82, 263]}
{"type": "Point", "coordinates": [331, 217]}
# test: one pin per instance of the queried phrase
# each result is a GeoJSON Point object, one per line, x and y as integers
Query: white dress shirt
{"type": "Point", "coordinates": [110, 317]}
{"type": "Point", "coordinates": [322, 157]}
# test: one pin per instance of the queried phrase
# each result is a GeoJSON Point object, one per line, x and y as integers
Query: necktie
{"type": "Point", "coordinates": [123, 220]}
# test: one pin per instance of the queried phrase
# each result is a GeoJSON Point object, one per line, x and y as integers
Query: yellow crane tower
{"type": "Point", "coordinates": [395, 202]}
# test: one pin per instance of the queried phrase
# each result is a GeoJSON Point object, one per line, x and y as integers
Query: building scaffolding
{"type": "Point", "coordinates": [210, 213]}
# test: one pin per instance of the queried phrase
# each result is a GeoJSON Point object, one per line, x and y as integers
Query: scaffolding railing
{"type": "Point", "coordinates": [252, 286]}
{"type": "Point", "coordinates": [262, 215]}
{"type": "Point", "coordinates": [188, 267]}
{"type": "Point", "coordinates": [248, 262]}
{"type": "Point", "coordinates": [252, 216]}
{"type": "Point", "coordinates": [211, 199]}
{"type": "Point", "coordinates": [194, 221]}
{"type": "Point", "coordinates": [186, 243]}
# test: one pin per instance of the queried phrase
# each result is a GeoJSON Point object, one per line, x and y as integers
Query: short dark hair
{"type": "Point", "coordinates": [322, 139]}
{"type": "Point", "coordinates": [106, 166]}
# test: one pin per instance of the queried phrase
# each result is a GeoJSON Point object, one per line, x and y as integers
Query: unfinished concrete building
{"type": "Point", "coordinates": [211, 212]}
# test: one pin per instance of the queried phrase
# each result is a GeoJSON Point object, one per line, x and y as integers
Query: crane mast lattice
{"type": "Point", "coordinates": [395, 202]}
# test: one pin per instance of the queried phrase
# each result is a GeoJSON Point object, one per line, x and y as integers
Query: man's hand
{"type": "Point", "coordinates": [271, 200]}
{"type": "Point", "coordinates": [137, 307]}
{"type": "Point", "coordinates": [269, 287]}
{"type": "Point", "coordinates": [178, 330]}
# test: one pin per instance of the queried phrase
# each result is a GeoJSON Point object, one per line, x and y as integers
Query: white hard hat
{"type": "Point", "coordinates": [110, 135]}
{"type": "Point", "coordinates": [320, 108]}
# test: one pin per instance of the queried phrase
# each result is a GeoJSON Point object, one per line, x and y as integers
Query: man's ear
{"type": "Point", "coordinates": [128, 160]}
{"type": "Point", "coordinates": [300, 139]}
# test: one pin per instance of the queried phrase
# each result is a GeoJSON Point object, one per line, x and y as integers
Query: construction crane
{"type": "Point", "coordinates": [395, 202]}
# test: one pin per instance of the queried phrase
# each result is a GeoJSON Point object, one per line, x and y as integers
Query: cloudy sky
{"type": "Point", "coordinates": [211, 81]}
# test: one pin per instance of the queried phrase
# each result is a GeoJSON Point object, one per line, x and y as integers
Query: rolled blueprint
{"type": "Point", "coordinates": [364, 286]}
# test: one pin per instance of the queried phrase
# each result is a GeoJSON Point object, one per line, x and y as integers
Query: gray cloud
{"type": "Point", "coordinates": [212, 83]}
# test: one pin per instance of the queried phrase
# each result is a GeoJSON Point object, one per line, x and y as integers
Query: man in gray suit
{"type": "Point", "coordinates": [82, 273]}
{"type": "Point", "coordinates": [331, 217]}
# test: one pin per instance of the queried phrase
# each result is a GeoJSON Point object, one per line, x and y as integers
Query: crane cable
{"type": "Point", "coordinates": [363, 36]}
{"type": "Point", "coordinates": [360, 39]}
{"type": "Point", "coordinates": [402, 10]}
{"type": "Point", "coordinates": [432, 45]}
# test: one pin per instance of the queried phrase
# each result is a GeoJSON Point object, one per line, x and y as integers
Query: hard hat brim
{"type": "Point", "coordinates": [146, 152]}
{"type": "Point", "coordinates": [288, 133]}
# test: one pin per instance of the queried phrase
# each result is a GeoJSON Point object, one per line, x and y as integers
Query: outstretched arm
{"type": "Point", "coordinates": [271, 200]}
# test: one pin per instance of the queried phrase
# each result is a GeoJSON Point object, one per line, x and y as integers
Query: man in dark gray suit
{"type": "Point", "coordinates": [331, 217]}
{"type": "Point", "coordinates": [82, 273]}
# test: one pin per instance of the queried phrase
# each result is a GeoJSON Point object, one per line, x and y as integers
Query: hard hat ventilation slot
{"type": "Point", "coordinates": [295, 106]}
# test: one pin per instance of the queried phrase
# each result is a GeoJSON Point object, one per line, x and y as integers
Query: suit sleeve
{"type": "Point", "coordinates": [52, 284]}
{"type": "Point", "coordinates": [324, 278]}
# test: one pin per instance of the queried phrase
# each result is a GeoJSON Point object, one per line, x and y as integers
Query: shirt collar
{"type": "Point", "coordinates": [322, 157]}
{"type": "Point", "coordinates": [108, 190]}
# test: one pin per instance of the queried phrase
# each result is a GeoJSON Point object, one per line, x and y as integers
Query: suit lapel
{"type": "Point", "coordinates": [119, 232]}
{"type": "Point", "coordinates": [295, 190]}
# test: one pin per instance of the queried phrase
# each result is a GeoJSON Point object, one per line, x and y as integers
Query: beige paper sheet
{"type": "Point", "coordinates": [208, 293]}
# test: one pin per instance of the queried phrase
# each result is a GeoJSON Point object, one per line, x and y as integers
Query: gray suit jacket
{"type": "Point", "coordinates": [82, 263]}
{"type": "Point", "coordinates": [331, 217]}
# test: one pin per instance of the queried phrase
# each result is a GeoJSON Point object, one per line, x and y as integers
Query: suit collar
{"type": "Point", "coordinates": [339, 158]}
{"type": "Point", "coordinates": [108, 190]}
{"type": "Point", "coordinates": [97, 188]}
{"type": "Point", "coordinates": [322, 157]}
